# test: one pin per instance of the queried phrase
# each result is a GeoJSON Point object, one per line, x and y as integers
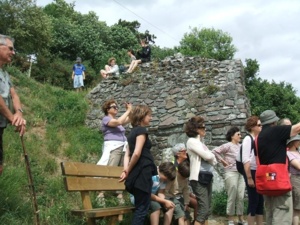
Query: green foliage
{"type": "Point", "coordinates": [219, 203]}
{"type": "Point", "coordinates": [211, 89]}
{"type": "Point", "coordinates": [207, 43]}
{"type": "Point", "coordinates": [251, 71]}
{"type": "Point", "coordinates": [280, 97]}
{"type": "Point", "coordinates": [132, 26]}
{"type": "Point", "coordinates": [27, 23]}
{"type": "Point", "coordinates": [158, 53]}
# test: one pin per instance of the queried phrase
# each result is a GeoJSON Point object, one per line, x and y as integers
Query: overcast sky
{"type": "Point", "coordinates": [265, 30]}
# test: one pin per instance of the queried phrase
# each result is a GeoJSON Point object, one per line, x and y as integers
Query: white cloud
{"type": "Point", "coordinates": [267, 31]}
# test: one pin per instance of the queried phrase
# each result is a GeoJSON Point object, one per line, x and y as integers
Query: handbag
{"type": "Point", "coordinates": [272, 179]}
{"type": "Point", "coordinates": [205, 177]}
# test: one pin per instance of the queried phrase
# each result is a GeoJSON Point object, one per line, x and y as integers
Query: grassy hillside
{"type": "Point", "coordinates": [55, 132]}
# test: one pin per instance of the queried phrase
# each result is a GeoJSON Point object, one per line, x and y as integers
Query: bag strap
{"type": "Point", "coordinates": [256, 148]}
{"type": "Point", "coordinates": [257, 159]}
{"type": "Point", "coordinates": [241, 149]}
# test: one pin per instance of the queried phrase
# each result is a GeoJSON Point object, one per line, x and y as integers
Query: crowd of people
{"type": "Point", "coordinates": [172, 188]}
{"type": "Point", "coordinates": [112, 69]}
{"type": "Point", "coordinates": [142, 56]}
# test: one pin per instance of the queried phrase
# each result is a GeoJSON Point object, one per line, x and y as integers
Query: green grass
{"type": "Point", "coordinates": [56, 132]}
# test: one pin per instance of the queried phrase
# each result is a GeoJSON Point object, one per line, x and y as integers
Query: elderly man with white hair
{"type": "Point", "coordinates": [180, 155]}
{"type": "Point", "coordinates": [11, 111]}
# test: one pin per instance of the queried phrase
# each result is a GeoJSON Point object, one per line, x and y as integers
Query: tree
{"type": "Point", "coordinates": [207, 43]}
{"type": "Point", "coordinates": [251, 71]}
{"type": "Point", "coordinates": [158, 53]}
{"type": "Point", "coordinates": [57, 34]}
{"type": "Point", "coordinates": [280, 97]}
{"type": "Point", "coordinates": [132, 26]}
{"type": "Point", "coordinates": [27, 23]}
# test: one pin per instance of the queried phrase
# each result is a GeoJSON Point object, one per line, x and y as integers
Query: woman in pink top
{"type": "Point", "coordinates": [234, 181]}
{"type": "Point", "coordinates": [294, 157]}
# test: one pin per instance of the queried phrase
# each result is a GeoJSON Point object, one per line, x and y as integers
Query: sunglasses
{"type": "Point", "coordinates": [114, 107]}
{"type": "Point", "coordinates": [12, 49]}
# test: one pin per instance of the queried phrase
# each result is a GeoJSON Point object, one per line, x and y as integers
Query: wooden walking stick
{"type": "Point", "coordinates": [31, 186]}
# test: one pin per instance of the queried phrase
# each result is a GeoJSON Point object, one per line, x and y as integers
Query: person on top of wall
{"type": "Point", "coordinates": [142, 56]}
{"type": "Point", "coordinates": [112, 69]}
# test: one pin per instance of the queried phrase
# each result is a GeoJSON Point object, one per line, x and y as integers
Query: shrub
{"type": "Point", "coordinates": [219, 201]}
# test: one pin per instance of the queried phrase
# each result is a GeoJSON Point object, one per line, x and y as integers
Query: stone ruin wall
{"type": "Point", "coordinates": [176, 89]}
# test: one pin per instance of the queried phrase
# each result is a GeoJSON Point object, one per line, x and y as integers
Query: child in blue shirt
{"type": "Point", "coordinates": [166, 173]}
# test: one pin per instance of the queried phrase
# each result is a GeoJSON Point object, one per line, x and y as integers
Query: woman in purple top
{"type": "Point", "coordinates": [294, 158]}
{"type": "Point", "coordinates": [115, 140]}
{"type": "Point", "coordinates": [234, 181]}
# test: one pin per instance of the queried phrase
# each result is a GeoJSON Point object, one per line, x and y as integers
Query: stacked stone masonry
{"type": "Point", "coordinates": [176, 89]}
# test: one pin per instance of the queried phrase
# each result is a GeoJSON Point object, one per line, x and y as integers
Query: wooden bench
{"type": "Point", "coordinates": [84, 177]}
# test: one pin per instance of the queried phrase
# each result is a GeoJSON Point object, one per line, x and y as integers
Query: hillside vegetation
{"type": "Point", "coordinates": [55, 132]}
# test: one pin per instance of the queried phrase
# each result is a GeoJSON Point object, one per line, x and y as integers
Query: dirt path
{"type": "Point", "coordinates": [215, 220]}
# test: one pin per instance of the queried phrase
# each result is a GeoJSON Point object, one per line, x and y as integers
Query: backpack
{"type": "Point", "coordinates": [272, 179]}
{"type": "Point", "coordinates": [239, 164]}
{"type": "Point", "coordinates": [122, 68]}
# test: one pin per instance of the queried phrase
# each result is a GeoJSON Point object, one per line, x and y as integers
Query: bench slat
{"type": "Point", "coordinates": [90, 170]}
{"type": "Point", "coordinates": [104, 212]}
{"type": "Point", "coordinates": [93, 184]}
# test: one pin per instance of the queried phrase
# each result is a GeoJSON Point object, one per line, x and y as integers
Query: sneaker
{"type": "Point", "coordinates": [242, 223]}
{"type": "Point", "coordinates": [230, 222]}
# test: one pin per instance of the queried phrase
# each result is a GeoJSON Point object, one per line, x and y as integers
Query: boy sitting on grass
{"type": "Point", "coordinates": [166, 173]}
